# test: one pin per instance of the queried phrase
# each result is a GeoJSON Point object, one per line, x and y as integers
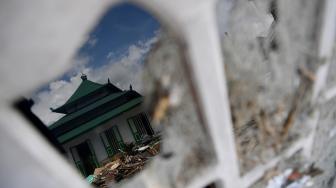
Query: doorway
{"type": "Point", "coordinates": [86, 158]}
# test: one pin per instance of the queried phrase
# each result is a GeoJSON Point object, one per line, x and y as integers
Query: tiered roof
{"type": "Point", "coordinates": [90, 106]}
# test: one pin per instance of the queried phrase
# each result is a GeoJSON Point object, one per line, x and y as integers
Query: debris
{"type": "Point", "coordinates": [304, 71]}
{"type": "Point", "coordinates": [279, 181]}
{"type": "Point", "coordinates": [143, 148]}
{"type": "Point", "coordinates": [98, 171]}
{"type": "Point", "coordinates": [299, 94]}
{"type": "Point", "coordinates": [161, 109]}
{"type": "Point", "coordinates": [90, 179]}
{"type": "Point", "coordinates": [131, 161]}
{"type": "Point", "coordinates": [294, 178]}
{"type": "Point", "coordinates": [314, 171]}
{"type": "Point", "coordinates": [113, 165]}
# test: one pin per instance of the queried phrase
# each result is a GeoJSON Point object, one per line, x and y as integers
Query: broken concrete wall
{"type": "Point", "coordinates": [62, 27]}
{"type": "Point", "coordinates": [269, 48]}
{"type": "Point", "coordinates": [271, 59]}
{"type": "Point", "coordinates": [265, 43]}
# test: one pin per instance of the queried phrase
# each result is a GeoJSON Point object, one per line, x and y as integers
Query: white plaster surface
{"type": "Point", "coordinates": [37, 40]}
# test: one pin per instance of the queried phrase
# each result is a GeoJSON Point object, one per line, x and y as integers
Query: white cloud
{"type": "Point", "coordinates": [92, 41]}
{"type": "Point", "coordinates": [110, 55]}
{"type": "Point", "coordinates": [122, 72]}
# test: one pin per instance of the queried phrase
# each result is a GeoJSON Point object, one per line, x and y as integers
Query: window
{"type": "Point", "coordinates": [140, 126]}
{"type": "Point", "coordinates": [112, 141]}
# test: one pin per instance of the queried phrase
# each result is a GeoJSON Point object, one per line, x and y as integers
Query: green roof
{"type": "Point", "coordinates": [88, 108]}
{"type": "Point", "coordinates": [84, 88]}
{"type": "Point", "coordinates": [98, 120]}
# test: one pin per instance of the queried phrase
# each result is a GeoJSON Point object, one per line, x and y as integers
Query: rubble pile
{"type": "Point", "coordinates": [295, 178]}
{"type": "Point", "coordinates": [119, 169]}
{"type": "Point", "coordinates": [293, 172]}
{"type": "Point", "coordinates": [127, 163]}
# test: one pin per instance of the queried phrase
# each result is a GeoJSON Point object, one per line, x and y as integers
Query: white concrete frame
{"type": "Point", "coordinates": [39, 37]}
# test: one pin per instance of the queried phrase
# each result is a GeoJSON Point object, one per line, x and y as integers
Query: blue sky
{"type": "Point", "coordinates": [115, 49]}
{"type": "Point", "coordinates": [121, 27]}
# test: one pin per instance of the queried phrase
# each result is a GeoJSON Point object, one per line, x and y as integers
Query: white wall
{"type": "Point", "coordinates": [38, 39]}
{"type": "Point", "coordinates": [50, 32]}
{"type": "Point", "coordinates": [93, 135]}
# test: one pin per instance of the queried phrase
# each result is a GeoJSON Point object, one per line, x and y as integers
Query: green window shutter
{"type": "Point", "coordinates": [134, 130]}
{"type": "Point", "coordinates": [146, 122]}
{"type": "Point", "coordinates": [107, 145]}
{"type": "Point", "coordinates": [140, 126]}
{"type": "Point", "coordinates": [112, 140]}
{"type": "Point", "coordinates": [93, 157]}
{"type": "Point", "coordinates": [77, 161]}
{"type": "Point", "coordinates": [80, 167]}
{"type": "Point", "coordinates": [110, 151]}
{"type": "Point", "coordinates": [117, 135]}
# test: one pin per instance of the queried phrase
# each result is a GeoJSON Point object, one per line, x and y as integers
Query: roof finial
{"type": "Point", "coordinates": [131, 87]}
{"type": "Point", "coordinates": [108, 80]}
{"type": "Point", "coordinates": [83, 77]}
